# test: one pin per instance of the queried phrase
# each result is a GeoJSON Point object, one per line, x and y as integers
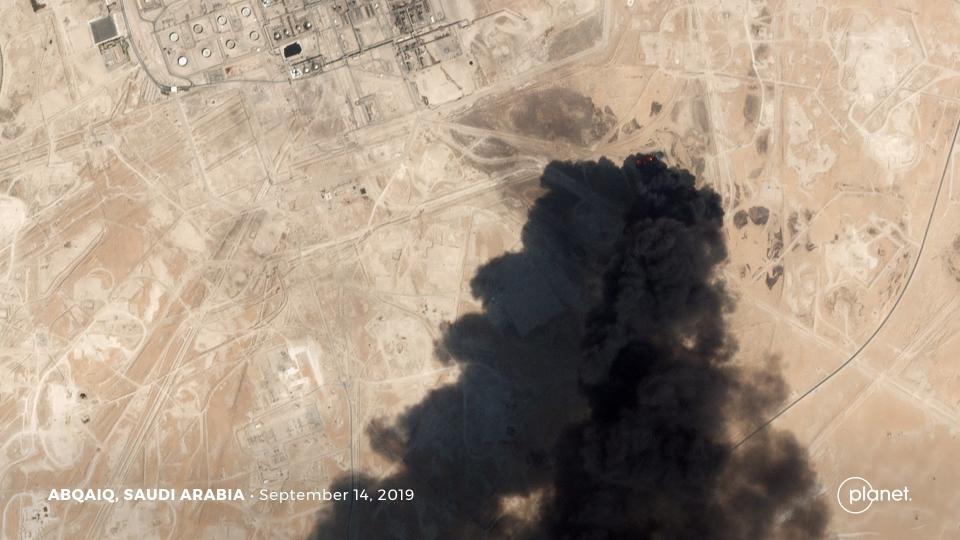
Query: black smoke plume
{"type": "Point", "coordinates": [599, 392]}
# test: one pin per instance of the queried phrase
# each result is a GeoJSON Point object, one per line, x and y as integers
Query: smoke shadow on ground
{"type": "Point", "coordinates": [598, 390]}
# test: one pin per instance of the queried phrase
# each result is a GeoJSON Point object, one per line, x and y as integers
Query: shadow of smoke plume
{"type": "Point", "coordinates": [598, 391]}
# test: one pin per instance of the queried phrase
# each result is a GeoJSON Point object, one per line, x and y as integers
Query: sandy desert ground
{"type": "Point", "coordinates": [223, 258]}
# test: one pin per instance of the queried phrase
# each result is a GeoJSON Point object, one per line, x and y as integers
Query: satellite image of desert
{"type": "Point", "coordinates": [480, 269]}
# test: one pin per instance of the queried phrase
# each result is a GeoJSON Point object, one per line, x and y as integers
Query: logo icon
{"type": "Point", "coordinates": [856, 495]}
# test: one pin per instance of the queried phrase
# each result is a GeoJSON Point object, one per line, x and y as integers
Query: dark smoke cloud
{"type": "Point", "coordinates": [610, 421]}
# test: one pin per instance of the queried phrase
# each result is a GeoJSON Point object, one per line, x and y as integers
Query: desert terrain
{"type": "Point", "coordinates": [233, 234]}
